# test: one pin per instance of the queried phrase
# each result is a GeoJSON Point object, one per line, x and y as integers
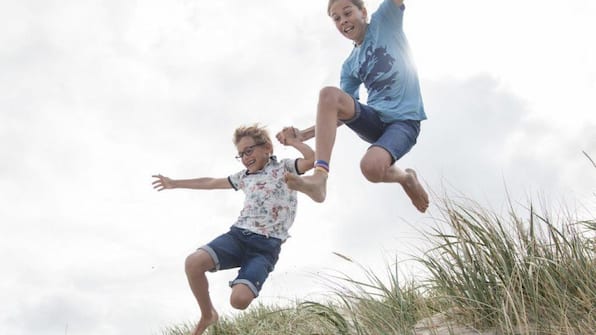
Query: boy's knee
{"type": "Point", "coordinates": [198, 261]}
{"type": "Point", "coordinates": [335, 101]}
{"type": "Point", "coordinates": [375, 164]}
{"type": "Point", "coordinates": [329, 96]}
{"type": "Point", "coordinates": [240, 303]}
{"type": "Point", "coordinates": [241, 296]}
{"type": "Point", "coordinates": [372, 172]}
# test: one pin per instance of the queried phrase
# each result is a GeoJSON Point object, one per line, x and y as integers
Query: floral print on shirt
{"type": "Point", "coordinates": [269, 205]}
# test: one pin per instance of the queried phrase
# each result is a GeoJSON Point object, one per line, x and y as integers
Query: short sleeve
{"type": "Point", "coordinates": [290, 165]}
{"type": "Point", "coordinates": [391, 14]}
{"type": "Point", "coordinates": [236, 179]}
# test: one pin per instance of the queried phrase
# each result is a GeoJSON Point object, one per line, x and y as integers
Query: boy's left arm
{"type": "Point", "coordinates": [308, 155]}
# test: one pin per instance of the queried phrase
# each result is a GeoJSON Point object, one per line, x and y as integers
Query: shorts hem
{"type": "Point", "coordinates": [393, 158]}
{"type": "Point", "coordinates": [356, 112]}
{"type": "Point", "coordinates": [246, 282]}
{"type": "Point", "coordinates": [213, 255]}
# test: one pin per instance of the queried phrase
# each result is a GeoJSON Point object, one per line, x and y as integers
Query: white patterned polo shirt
{"type": "Point", "coordinates": [269, 205]}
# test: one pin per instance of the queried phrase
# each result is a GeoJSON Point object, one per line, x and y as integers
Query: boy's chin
{"type": "Point", "coordinates": [254, 168]}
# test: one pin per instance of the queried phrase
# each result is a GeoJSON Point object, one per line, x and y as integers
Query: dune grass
{"type": "Point", "coordinates": [511, 274]}
{"type": "Point", "coordinates": [531, 276]}
{"type": "Point", "coordinates": [266, 320]}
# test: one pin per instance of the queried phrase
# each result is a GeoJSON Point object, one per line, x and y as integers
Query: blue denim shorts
{"type": "Point", "coordinates": [397, 137]}
{"type": "Point", "coordinates": [254, 254]}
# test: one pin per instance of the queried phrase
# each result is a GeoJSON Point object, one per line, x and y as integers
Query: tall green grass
{"type": "Point", "coordinates": [512, 274]}
{"type": "Point", "coordinates": [375, 305]}
{"type": "Point", "coordinates": [519, 273]}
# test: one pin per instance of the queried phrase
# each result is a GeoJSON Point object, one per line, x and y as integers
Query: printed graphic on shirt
{"type": "Point", "coordinates": [377, 63]}
{"type": "Point", "coordinates": [269, 206]}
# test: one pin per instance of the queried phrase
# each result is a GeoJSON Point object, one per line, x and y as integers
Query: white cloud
{"type": "Point", "coordinates": [97, 96]}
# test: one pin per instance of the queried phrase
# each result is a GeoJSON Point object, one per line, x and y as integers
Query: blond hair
{"type": "Point", "coordinates": [257, 132]}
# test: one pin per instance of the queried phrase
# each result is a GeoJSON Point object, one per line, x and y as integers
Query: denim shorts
{"type": "Point", "coordinates": [254, 254]}
{"type": "Point", "coordinates": [397, 137]}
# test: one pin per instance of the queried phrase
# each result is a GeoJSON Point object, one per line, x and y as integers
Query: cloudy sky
{"type": "Point", "coordinates": [99, 95]}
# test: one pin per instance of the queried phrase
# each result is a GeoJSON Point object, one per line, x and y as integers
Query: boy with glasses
{"type": "Point", "coordinates": [254, 241]}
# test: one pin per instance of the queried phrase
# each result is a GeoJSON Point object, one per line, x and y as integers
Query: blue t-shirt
{"type": "Point", "coordinates": [383, 63]}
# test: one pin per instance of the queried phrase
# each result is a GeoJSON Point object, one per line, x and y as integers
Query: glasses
{"type": "Point", "coordinates": [248, 151]}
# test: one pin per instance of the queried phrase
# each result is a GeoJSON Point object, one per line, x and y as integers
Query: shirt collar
{"type": "Point", "coordinates": [272, 158]}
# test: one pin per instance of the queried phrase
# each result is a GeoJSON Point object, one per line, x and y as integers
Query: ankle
{"type": "Point", "coordinates": [321, 171]}
{"type": "Point", "coordinates": [321, 165]}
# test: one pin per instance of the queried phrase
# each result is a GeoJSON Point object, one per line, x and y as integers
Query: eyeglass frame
{"type": "Point", "coordinates": [249, 150]}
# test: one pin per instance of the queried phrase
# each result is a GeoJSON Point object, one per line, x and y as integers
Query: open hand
{"type": "Point", "coordinates": [162, 182]}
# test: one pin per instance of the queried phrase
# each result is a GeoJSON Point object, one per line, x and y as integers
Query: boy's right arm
{"type": "Point", "coordinates": [307, 134]}
{"type": "Point", "coordinates": [303, 135]}
{"type": "Point", "coordinates": [206, 183]}
{"type": "Point", "coordinates": [293, 138]}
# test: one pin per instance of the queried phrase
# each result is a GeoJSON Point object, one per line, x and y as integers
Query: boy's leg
{"type": "Point", "coordinates": [376, 166]}
{"type": "Point", "coordinates": [241, 296]}
{"type": "Point", "coordinates": [196, 265]}
{"type": "Point", "coordinates": [334, 105]}
{"type": "Point", "coordinates": [261, 255]}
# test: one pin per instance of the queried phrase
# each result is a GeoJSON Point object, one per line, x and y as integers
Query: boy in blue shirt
{"type": "Point", "coordinates": [390, 120]}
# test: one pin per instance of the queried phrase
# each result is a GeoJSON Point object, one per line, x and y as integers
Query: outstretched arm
{"type": "Point", "coordinates": [164, 183]}
{"type": "Point", "coordinates": [307, 134]}
{"type": "Point", "coordinates": [303, 135]}
{"type": "Point", "coordinates": [292, 138]}
{"type": "Point", "coordinates": [398, 2]}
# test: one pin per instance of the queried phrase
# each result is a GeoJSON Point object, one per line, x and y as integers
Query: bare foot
{"type": "Point", "coordinates": [205, 322]}
{"type": "Point", "coordinates": [315, 185]}
{"type": "Point", "coordinates": [415, 191]}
